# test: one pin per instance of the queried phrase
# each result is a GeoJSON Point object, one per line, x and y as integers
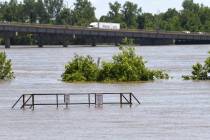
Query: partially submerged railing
{"type": "Point", "coordinates": [97, 99]}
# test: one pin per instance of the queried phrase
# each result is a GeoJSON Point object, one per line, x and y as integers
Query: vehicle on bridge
{"type": "Point", "coordinates": [105, 25]}
{"type": "Point", "coordinates": [186, 32]}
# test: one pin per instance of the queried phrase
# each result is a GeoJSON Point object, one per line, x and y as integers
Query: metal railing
{"type": "Point", "coordinates": [28, 100]}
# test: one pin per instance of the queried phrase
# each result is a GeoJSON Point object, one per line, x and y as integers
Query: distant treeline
{"type": "Point", "coordinates": [193, 17]}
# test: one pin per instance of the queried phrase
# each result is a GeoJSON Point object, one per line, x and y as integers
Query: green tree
{"type": "Point", "coordinates": [114, 13]}
{"type": "Point", "coordinates": [80, 69]}
{"type": "Point", "coordinates": [199, 71]}
{"type": "Point", "coordinates": [42, 15]}
{"type": "Point", "coordinates": [53, 8]}
{"type": "Point", "coordinates": [125, 66]}
{"type": "Point", "coordinates": [83, 13]}
{"type": "Point", "coordinates": [128, 66]}
{"type": "Point", "coordinates": [11, 11]}
{"type": "Point", "coordinates": [6, 72]}
{"type": "Point", "coordinates": [29, 9]}
{"type": "Point", "coordinates": [65, 17]}
{"type": "Point", "coordinates": [146, 21]}
{"type": "Point", "coordinates": [189, 5]}
{"type": "Point", "coordinates": [189, 18]}
{"type": "Point", "coordinates": [130, 12]}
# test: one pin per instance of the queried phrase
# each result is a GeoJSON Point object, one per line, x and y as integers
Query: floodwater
{"type": "Point", "coordinates": [171, 109]}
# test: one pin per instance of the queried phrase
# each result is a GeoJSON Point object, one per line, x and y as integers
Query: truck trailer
{"type": "Point", "coordinates": [105, 25]}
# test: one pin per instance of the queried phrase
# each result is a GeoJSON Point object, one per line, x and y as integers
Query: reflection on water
{"type": "Point", "coordinates": [171, 109]}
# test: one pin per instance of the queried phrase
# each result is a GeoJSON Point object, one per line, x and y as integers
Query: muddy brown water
{"type": "Point", "coordinates": [171, 109]}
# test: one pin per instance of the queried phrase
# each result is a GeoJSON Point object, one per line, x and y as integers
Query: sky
{"type": "Point", "coordinates": [152, 6]}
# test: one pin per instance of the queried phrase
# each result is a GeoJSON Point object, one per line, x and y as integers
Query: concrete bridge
{"type": "Point", "coordinates": [63, 34]}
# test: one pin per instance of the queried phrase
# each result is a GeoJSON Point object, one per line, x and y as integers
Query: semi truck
{"type": "Point", "coordinates": [105, 25]}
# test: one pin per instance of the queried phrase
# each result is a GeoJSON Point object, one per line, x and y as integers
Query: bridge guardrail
{"type": "Point", "coordinates": [85, 28]}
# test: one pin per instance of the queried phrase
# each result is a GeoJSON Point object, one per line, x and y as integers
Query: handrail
{"type": "Point", "coordinates": [26, 102]}
{"type": "Point", "coordinates": [85, 28]}
{"type": "Point", "coordinates": [17, 101]}
{"type": "Point", "coordinates": [27, 97]}
{"type": "Point", "coordinates": [135, 98]}
{"type": "Point", "coordinates": [125, 98]}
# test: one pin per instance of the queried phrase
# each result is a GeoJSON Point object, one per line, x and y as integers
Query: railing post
{"type": "Point", "coordinates": [67, 99]}
{"type": "Point", "coordinates": [136, 99]}
{"type": "Point", "coordinates": [93, 41]}
{"type": "Point", "coordinates": [121, 98]}
{"type": "Point", "coordinates": [57, 100]}
{"type": "Point", "coordinates": [130, 96]}
{"type": "Point", "coordinates": [32, 102]}
{"type": "Point", "coordinates": [23, 101]}
{"type": "Point", "coordinates": [17, 101]}
{"type": "Point", "coordinates": [89, 99]}
{"type": "Point", "coordinates": [95, 98]}
{"type": "Point", "coordinates": [7, 42]}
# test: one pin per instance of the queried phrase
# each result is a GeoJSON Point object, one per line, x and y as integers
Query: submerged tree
{"type": "Point", "coordinates": [125, 66]}
{"type": "Point", "coordinates": [128, 66]}
{"type": "Point", "coordinates": [80, 69]}
{"type": "Point", "coordinates": [199, 72]}
{"type": "Point", "coordinates": [6, 72]}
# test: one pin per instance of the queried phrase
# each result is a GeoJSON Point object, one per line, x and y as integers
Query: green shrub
{"type": "Point", "coordinates": [125, 66]}
{"type": "Point", "coordinates": [199, 71]}
{"type": "Point", "coordinates": [207, 64]}
{"type": "Point", "coordinates": [6, 72]}
{"type": "Point", "coordinates": [80, 69]}
{"type": "Point", "coordinates": [127, 41]}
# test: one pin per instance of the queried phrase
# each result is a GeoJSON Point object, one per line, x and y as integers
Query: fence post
{"type": "Point", "coordinates": [130, 96]}
{"type": "Point", "coordinates": [89, 99]}
{"type": "Point", "coordinates": [121, 98]}
{"type": "Point", "coordinates": [32, 102]}
{"type": "Point", "coordinates": [57, 100]}
{"type": "Point", "coordinates": [23, 101]}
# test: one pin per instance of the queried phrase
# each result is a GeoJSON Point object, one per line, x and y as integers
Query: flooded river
{"type": "Point", "coordinates": [171, 109]}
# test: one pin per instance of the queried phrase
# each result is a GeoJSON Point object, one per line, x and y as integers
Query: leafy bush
{"type": "Point", "coordinates": [127, 41]}
{"type": "Point", "coordinates": [80, 69]}
{"type": "Point", "coordinates": [6, 72]}
{"type": "Point", "coordinates": [125, 66]}
{"type": "Point", "coordinates": [199, 72]}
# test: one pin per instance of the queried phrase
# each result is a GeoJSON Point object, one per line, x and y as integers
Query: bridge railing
{"type": "Point", "coordinates": [51, 26]}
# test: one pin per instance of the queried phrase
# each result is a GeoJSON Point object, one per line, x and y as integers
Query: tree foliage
{"type": "Point", "coordinates": [6, 72]}
{"type": "Point", "coordinates": [125, 66]}
{"type": "Point", "coordinates": [81, 68]}
{"type": "Point", "coordinates": [83, 13]}
{"type": "Point", "coordinates": [128, 66]}
{"type": "Point", "coordinates": [53, 7]}
{"type": "Point", "coordinates": [199, 71]}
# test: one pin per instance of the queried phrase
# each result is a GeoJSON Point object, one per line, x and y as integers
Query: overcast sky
{"type": "Point", "coordinates": [152, 6]}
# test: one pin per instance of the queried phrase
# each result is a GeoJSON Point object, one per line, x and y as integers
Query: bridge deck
{"type": "Point", "coordinates": [8, 30]}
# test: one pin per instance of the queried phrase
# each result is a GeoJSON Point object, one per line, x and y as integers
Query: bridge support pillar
{"type": "Point", "coordinates": [40, 45]}
{"type": "Point", "coordinates": [40, 40]}
{"type": "Point", "coordinates": [117, 42]}
{"type": "Point", "coordinates": [93, 42]}
{"type": "Point", "coordinates": [65, 44]}
{"type": "Point", "coordinates": [7, 42]}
